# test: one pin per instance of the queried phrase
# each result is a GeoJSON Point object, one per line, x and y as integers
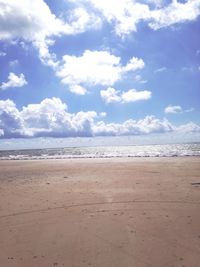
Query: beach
{"type": "Point", "coordinates": [120, 212]}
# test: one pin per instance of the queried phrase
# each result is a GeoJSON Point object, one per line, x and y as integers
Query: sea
{"type": "Point", "coordinates": [124, 151]}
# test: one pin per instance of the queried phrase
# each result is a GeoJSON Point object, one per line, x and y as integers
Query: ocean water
{"type": "Point", "coordinates": [171, 150]}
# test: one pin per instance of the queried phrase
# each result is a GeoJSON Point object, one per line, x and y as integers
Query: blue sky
{"type": "Point", "coordinates": [99, 68]}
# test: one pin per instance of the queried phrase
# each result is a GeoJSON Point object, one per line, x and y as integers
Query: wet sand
{"type": "Point", "coordinates": [100, 212]}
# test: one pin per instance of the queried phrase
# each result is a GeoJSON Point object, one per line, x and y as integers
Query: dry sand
{"type": "Point", "coordinates": [101, 213]}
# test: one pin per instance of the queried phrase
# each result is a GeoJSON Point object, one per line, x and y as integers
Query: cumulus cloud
{"type": "Point", "coordinates": [14, 81]}
{"type": "Point", "coordinates": [177, 109]}
{"type": "Point", "coordinates": [27, 19]}
{"type": "Point", "coordinates": [125, 15]}
{"type": "Point", "coordinates": [11, 123]}
{"type": "Point", "coordinates": [148, 125]}
{"type": "Point", "coordinates": [34, 22]}
{"type": "Point", "coordinates": [134, 95]}
{"type": "Point", "coordinates": [174, 13]}
{"type": "Point", "coordinates": [112, 95]}
{"type": "Point", "coordinates": [94, 68]}
{"type": "Point", "coordinates": [173, 109]}
{"type": "Point", "coordinates": [52, 118]}
{"type": "Point", "coordinates": [77, 89]}
{"type": "Point", "coordinates": [49, 118]}
{"type": "Point", "coordinates": [79, 20]}
{"type": "Point", "coordinates": [189, 127]}
{"type": "Point", "coordinates": [134, 64]}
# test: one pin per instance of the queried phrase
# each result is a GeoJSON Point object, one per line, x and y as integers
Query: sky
{"type": "Point", "coordinates": [90, 68]}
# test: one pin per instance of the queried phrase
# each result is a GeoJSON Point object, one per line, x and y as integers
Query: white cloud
{"type": "Point", "coordinates": [33, 21]}
{"type": "Point", "coordinates": [95, 68]}
{"type": "Point", "coordinates": [175, 12]}
{"type": "Point", "coordinates": [80, 20]}
{"type": "Point", "coordinates": [148, 125]}
{"type": "Point", "coordinates": [121, 14]}
{"type": "Point", "coordinates": [78, 90]}
{"type": "Point", "coordinates": [27, 19]}
{"type": "Point", "coordinates": [11, 123]}
{"type": "Point", "coordinates": [51, 118]}
{"type": "Point", "coordinates": [177, 109]}
{"type": "Point", "coordinates": [134, 95]}
{"type": "Point", "coordinates": [189, 127]}
{"type": "Point", "coordinates": [173, 109]}
{"type": "Point", "coordinates": [125, 15]}
{"type": "Point", "coordinates": [134, 64]}
{"type": "Point", "coordinates": [14, 81]}
{"type": "Point", "coordinates": [102, 114]}
{"type": "Point", "coordinates": [111, 95]}
{"type": "Point", "coordinates": [162, 69]}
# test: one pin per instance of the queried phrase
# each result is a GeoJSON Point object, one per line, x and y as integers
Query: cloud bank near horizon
{"type": "Point", "coordinates": [51, 118]}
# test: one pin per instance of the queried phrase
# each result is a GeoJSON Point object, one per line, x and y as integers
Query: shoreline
{"type": "Point", "coordinates": [129, 158]}
{"type": "Point", "coordinates": [107, 152]}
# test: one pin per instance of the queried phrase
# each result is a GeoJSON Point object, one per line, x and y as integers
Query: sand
{"type": "Point", "coordinates": [100, 212]}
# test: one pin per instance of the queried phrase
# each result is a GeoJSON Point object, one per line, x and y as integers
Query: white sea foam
{"type": "Point", "coordinates": [171, 150]}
